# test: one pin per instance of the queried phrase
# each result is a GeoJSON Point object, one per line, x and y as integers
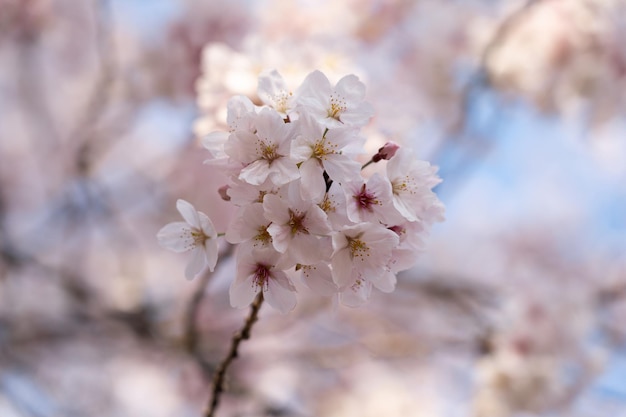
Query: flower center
{"type": "Point", "coordinates": [403, 185]}
{"type": "Point", "coordinates": [358, 248]}
{"type": "Point", "coordinates": [322, 148]}
{"type": "Point", "coordinates": [198, 237]}
{"type": "Point", "coordinates": [296, 223]}
{"type": "Point", "coordinates": [327, 205]}
{"type": "Point", "coordinates": [263, 236]}
{"type": "Point", "coordinates": [365, 200]}
{"type": "Point", "coordinates": [282, 101]}
{"type": "Point", "coordinates": [268, 151]}
{"type": "Point", "coordinates": [261, 277]}
{"type": "Point", "coordinates": [337, 106]}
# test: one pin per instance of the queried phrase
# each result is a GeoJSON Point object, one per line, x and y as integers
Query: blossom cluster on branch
{"type": "Point", "coordinates": [305, 205]}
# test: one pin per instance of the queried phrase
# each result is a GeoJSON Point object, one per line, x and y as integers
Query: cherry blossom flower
{"type": "Point", "coordinates": [241, 117]}
{"type": "Point", "coordinates": [256, 272]}
{"type": "Point", "coordinates": [241, 114]}
{"type": "Point", "coordinates": [361, 254]}
{"type": "Point", "coordinates": [412, 181]}
{"type": "Point", "coordinates": [266, 153]}
{"type": "Point", "coordinates": [274, 92]}
{"type": "Point", "coordinates": [302, 204]}
{"type": "Point", "coordinates": [297, 225]}
{"type": "Point", "coordinates": [320, 150]}
{"type": "Point", "coordinates": [336, 106]}
{"type": "Point", "coordinates": [333, 203]}
{"type": "Point", "coordinates": [371, 201]}
{"type": "Point", "coordinates": [196, 234]}
{"type": "Point", "coordinates": [250, 225]}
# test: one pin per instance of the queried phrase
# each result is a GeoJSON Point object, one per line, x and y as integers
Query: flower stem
{"type": "Point", "coordinates": [243, 334]}
{"type": "Point", "coordinates": [368, 163]}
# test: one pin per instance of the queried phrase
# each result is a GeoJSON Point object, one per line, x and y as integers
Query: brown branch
{"type": "Point", "coordinates": [82, 134]}
{"type": "Point", "coordinates": [243, 334]}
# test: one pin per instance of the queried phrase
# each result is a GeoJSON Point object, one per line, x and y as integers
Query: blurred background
{"type": "Point", "coordinates": [516, 308]}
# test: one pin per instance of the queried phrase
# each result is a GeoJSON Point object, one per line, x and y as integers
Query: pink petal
{"type": "Point", "coordinates": [242, 292]}
{"type": "Point", "coordinates": [282, 299]}
{"type": "Point", "coordinates": [318, 278]}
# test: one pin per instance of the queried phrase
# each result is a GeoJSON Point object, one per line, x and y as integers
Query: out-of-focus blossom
{"type": "Point", "coordinates": [573, 60]}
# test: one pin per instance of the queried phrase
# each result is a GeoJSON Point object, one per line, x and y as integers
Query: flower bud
{"type": "Point", "coordinates": [387, 151]}
{"type": "Point", "coordinates": [223, 190]}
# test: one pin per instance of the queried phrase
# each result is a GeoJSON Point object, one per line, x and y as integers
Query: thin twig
{"type": "Point", "coordinates": [243, 334]}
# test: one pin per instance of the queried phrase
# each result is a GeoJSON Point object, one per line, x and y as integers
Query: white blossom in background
{"type": "Point", "coordinates": [305, 204]}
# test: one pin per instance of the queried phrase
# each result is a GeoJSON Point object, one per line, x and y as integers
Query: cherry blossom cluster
{"type": "Point", "coordinates": [306, 208]}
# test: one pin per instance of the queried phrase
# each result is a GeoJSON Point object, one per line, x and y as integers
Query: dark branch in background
{"type": "Point", "coordinates": [99, 99]}
{"type": "Point", "coordinates": [192, 338]}
{"type": "Point", "coordinates": [233, 352]}
{"type": "Point", "coordinates": [480, 83]}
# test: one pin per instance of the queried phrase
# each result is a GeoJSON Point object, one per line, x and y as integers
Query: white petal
{"type": "Point", "coordinates": [282, 299]}
{"type": "Point", "coordinates": [210, 251]}
{"type": "Point", "coordinates": [384, 280]}
{"type": "Point", "coordinates": [242, 292]}
{"type": "Point", "coordinates": [350, 88]}
{"type": "Point", "coordinates": [281, 236]}
{"type": "Point", "coordinates": [314, 92]}
{"type": "Point", "coordinates": [196, 264]}
{"type": "Point", "coordinates": [342, 168]}
{"type": "Point", "coordinates": [246, 223]}
{"type": "Point", "coordinates": [214, 143]}
{"type": "Point", "coordinates": [407, 211]}
{"type": "Point", "coordinates": [356, 295]}
{"type": "Point", "coordinates": [176, 237]}
{"type": "Point", "coordinates": [242, 147]}
{"type": "Point", "coordinates": [276, 209]}
{"type": "Point", "coordinates": [206, 225]}
{"type": "Point", "coordinates": [283, 170]}
{"type": "Point", "coordinates": [316, 221]}
{"type": "Point", "coordinates": [301, 149]}
{"type": "Point", "coordinates": [357, 115]}
{"type": "Point", "coordinates": [189, 213]}
{"type": "Point", "coordinates": [404, 258]}
{"type": "Point", "coordinates": [237, 230]}
{"type": "Point", "coordinates": [313, 185]}
{"type": "Point", "coordinates": [342, 268]}
{"type": "Point", "coordinates": [305, 249]}
{"type": "Point", "coordinates": [256, 173]}
{"type": "Point", "coordinates": [318, 277]}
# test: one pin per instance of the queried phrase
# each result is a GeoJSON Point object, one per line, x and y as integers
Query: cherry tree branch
{"type": "Point", "coordinates": [233, 352]}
